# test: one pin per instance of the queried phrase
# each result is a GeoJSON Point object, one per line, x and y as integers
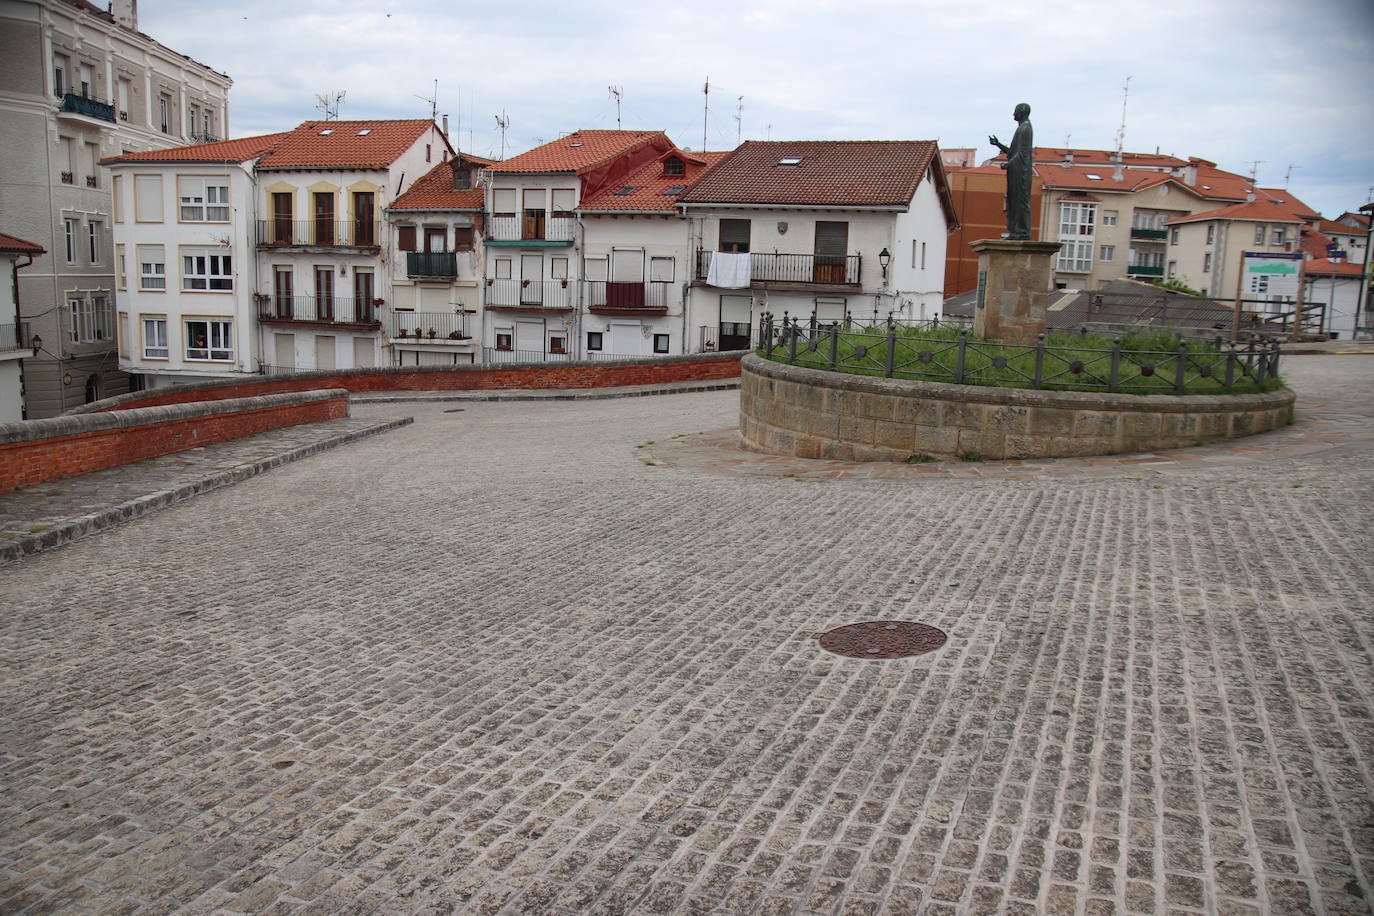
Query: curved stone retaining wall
{"type": "Point", "coordinates": [583, 374]}
{"type": "Point", "coordinates": [811, 413]}
{"type": "Point", "coordinates": [33, 451]}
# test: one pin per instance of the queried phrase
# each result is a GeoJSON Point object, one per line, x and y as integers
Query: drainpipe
{"type": "Point", "coordinates": [14, 280]}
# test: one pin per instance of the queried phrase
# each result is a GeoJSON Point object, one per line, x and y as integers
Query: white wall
{"type": "Point", "coordinates": [1341, 295]}
{"type": "Point", "coordinates": [919, 290]}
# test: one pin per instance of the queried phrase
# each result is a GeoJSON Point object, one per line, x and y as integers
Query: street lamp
{"type": "Point", "coordinates": [37, 342]}
{"type": "Point", "coordinates": [884, 259]}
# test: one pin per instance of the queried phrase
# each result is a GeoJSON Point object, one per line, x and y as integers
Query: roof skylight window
{"type": "Point", "coordinates": [574, 145]}
{"type": "Point", "coordinates": [1093, 176]}
{"type": "Point", "coordinates": [625, 191]}
{"type": "Point", "coordinates": [326, 132]}
{"type": "Point", "coordinates": [365, 131]}
{"type": "Point", "coordinates": [790, 160]}
{"type": "Point", "coordinates": [674, 190]}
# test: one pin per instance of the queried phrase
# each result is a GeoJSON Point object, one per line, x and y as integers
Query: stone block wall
{"type": "Point", "coordinates": [33, 451]}
{"type": "Point", "coordinates": [812, 413]}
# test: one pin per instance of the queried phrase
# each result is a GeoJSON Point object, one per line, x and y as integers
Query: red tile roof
{"type": "Point", "coordinates": [650, 183]}
{"type": "Point", "coordinates": [341, 144]}
{"type": "Point", "coordinates": [435, 191]}
{"type": "Point", "coordinates": [16, 244]}
{"type": "Point", "coordinates": [1076, 177]}
{"type": "Point", "coordinates": [1361, 219]}
{"type": "Point", "coordinates": [856, 173]}
{"type": "Point", "coordinates": [1327, 268]}
{"type": "Point", "coordinates": [580, 151]}
{"type": "Point", "coordinates": [240, 150]}
{"type": "Point", "coordinates": [1262, 211]}
{"type": "Point", "coordinates": [1051, 154]}
{"type": "Point", "coordinates": [1284, 197]}
{"type": "Point", "coordinates": [1330, 225]}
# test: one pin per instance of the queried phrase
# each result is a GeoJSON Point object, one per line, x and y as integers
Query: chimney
{"type": "Point", "coordinates": [1190, 174]}
{"type": "Point", "coordinates": [125, 13]}
{"type": "Point", "coordinates": [1250, 194]}
{"type": "Point", "coordinates": [445, 125]}
{"type": "Point", "coordinates": [1117, 172]}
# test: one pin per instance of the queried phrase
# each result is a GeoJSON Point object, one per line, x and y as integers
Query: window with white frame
{"type": "Point", "coordinates": [503, 266]}
{"type": "Point", "coordinates": [1207, 262]}
{"type": "Point", "coordinates": [164, 107]}
{"type": "Point", "coordinates": [558, 268]}
{"type": "Point", "coordinates": [1259, 233]}
{"type": "Point", "coordinates": [69, 238]}
{"type": "Point", "coordinates": [209, 339]}
{"type": "Point", "coordinates": [90, 319]}
{"type": "Point", "coordinates": [1279, 235]}
{"type": "Point", "coordinates": [155, 337]}
{"type": "Point", "coordinates": [121, 278]}
{"type": "Point", "coordinates": [1109, 217]}
{"type": "Point", "coordinates": [203, 200]}
{"type": "Point", "coordinates": [1076, 227]}
{"type": "Point", "coordinates": [1211, 233]}
{"type": "Point", "coordinates": [93, 230]}
{"type": "Point", "coordinates": [1173, 236]}
{"type": "Point", "coordinates": [152, 267]}
{"type": "Point", "coordinates": [1107, 253]}
{"type": "Point", "coordinates": [661, 270]}
{"type": "Point", "coordinates": [1173, 269]}
{"type": "Point", "coordinates": [205, 270]}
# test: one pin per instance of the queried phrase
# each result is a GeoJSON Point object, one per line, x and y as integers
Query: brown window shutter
{"type": "Point", "coordinates": [405, 238]}
{"type": "Point", "coordinates": [463, 239]}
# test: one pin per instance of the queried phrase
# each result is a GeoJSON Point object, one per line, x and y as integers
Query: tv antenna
{"type": "Point", "coordinates": [739, 120]}
{"type": "Point", "coordinates": [1254, 170]}
{"type": "Point", "coordinates": [433, 102]}
{"type": "Point", "coordinates": [617, 92]}
{"type": "Point", "coordinates": [503, 122]}
{"type": "Point", "coordinates": [1121, 131]}
{"type": "Point", "coordinates": [1289, 174]}
{"type": "Point", "coordinates": [329, 103]}
{"type": "Point", "coordinates": [705, 110]}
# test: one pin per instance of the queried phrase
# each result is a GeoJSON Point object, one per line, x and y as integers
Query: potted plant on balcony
{"type": "Point", "coordinates": [379, 301]}
{"type": "Point", "coordinates": [401, 333]}
{"type": "Point", "coordinates": [433, 333]}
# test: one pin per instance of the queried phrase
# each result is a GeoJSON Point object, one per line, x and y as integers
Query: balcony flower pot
{"type": "Point", "coordinates": [524, 283]}
{"type": "Point", "coordinates": [433, 334]}
{"type": "Point", "coordinates": [379, 302]}
{"type": "Point", "coordinates": [564, 283]}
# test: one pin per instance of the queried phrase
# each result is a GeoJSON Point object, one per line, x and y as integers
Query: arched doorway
{"type": "Point", "coordinates": [92, 388]}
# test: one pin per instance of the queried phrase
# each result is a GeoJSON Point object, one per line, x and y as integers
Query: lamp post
{"type": "Point", "coordinates": [884, 259]}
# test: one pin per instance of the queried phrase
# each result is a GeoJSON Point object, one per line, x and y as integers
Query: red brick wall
{"type": "Point", "coordinates": [24, 464]}
{"type": "Point", "coordinates": [553, 375]}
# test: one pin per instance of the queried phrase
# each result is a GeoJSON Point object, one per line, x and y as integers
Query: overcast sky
{"type": "Point", "coordinates": [1234, 82]}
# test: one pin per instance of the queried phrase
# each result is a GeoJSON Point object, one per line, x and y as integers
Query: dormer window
{"type": "Point", "coordinates": [462, 179]}
{"type": "Point", "coordinates": [790, 160]}
{"type": "Point", "coordinates": [673, 166]}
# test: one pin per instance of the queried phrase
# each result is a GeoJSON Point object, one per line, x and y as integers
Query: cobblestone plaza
{"type": "Point", "coordinates": [562, 657]}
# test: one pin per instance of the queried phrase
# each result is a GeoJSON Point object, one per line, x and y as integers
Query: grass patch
{"type": "Point", "coordinates": [919, 458]}
{"type": "Point", "coordinates": [1148, 363]}
{"type": "Point", "coordinates": [970, 456]}
{"type": "Point", "coordinates": [38, 529]}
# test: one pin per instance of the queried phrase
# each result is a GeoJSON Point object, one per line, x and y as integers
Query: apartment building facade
{"type": "Point", "coordinates": [77, 84]}
{"type": "Point", "coordinates": [830, 228]}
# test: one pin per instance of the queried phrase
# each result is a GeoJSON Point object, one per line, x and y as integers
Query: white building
{"type": "Point", "coordinates": [532, 240]}
{"type": "Point", "coordinates": [260, 254]}
{"type": "Point", "coordinates": [833, 228]}
{"type": "Point", "coordinates": [435, 250]}
{"type": "Point", "coordinates": [184, 260]}
{"type": "Point", "coordinates": [16, 338]}
{"type": "Point", "coordinates": [637, 261]}
{"type": "Point", "coordinates": [77, 84]}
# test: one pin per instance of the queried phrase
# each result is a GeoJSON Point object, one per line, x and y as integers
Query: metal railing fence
{"type": "Point", "coordinates": [911, 350]}
{"type": "Point", "coordinates": [320, 233]}
{"type": "Point", "coordinates": [403, 324]}
{"type": "Point", "coordinates": [774, 267]}
{"type": "Point", "coordinates": [334, 310]}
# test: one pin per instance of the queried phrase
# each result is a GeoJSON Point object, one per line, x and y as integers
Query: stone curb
{"type": "Point", "coordinates": [77, 528]}
{"type": "Point", "coordinates": [578, 394]}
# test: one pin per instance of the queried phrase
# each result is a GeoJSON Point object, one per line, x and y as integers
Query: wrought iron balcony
{"type": "Point", "coordinates": [15, 337]}
{"type": "Point", "coordinates": [772, 267]}
{"type": "Point", "coordinates": [68, 178]}
{"type": "Point", "coordinates": [648, 297]}
{"type": "Point", "coordinates": [530, 226]}
{"type": "Point", "coordinates": [317, 310]}
{"type": "Point", "coordinates": [91, 108]}
{"type": "Point", "coordinates": [431, 264]}
{"type": "Point", "coordinates": [550, 295]}
{"type": "Point", "coordinates": [318, 233]}
{"type": "Point", "coordinates": [447, 328]}
{"type": "Point", "coordinates": [92, 181]}
{"type": "Point", "coordinates": [1150, 235]}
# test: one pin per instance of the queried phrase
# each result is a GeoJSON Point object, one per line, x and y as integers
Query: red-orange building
{"type": "Point", "coordinates": [979, 193]}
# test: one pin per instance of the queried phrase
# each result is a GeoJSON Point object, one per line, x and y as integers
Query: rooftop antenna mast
{"type": "Point", "coordinates": [705, 110]}
{"type": "Point", "coordinates": [433, 102]}
{"type": "Point", "coordinates": [1289, 174]}
{"type": "Point", "coordinates": [1121, 131]}
{"type": "Point", "coordinates": [1254, 170]}
{"type": "Point", "coordinates": [739, 119]}
{"type": "Point", "coordinates": [616, 93]}
{"type": "Point", "coordinates": [329, 103]}
{"type": "Point", "coordinates": [503, 122]}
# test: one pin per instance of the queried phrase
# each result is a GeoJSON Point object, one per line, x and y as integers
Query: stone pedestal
{"type": "Point", "coordinates": [1015, 285]}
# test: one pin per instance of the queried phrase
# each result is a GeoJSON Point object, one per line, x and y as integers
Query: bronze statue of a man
{"type": "Point", "coordinates": [1018, 166]}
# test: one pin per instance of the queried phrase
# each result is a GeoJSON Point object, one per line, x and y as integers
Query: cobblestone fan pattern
{"type": "Point", "coordinates": [496, 661]}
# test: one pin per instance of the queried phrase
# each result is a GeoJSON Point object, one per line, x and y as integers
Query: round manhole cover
{"type": "Point", "coordinates": [882, 639]}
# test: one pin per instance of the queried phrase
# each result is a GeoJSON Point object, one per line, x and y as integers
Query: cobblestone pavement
{"type": "Point", "coordinates": [498, 661]}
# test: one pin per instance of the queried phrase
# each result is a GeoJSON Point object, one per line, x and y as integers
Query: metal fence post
{"type": "Point", "coordinates": [963, 353]}
{"type": "Point", "coordinates": [1039, 360]}
{"type": "Point", "coordinates": [791, 337]}
{"type": "Point", "coordinates": [891, 346]}
{"type": "Point", "coordinates": [1180, 364]}
{"type": "Point", "coordinates": [1231, 365]}
{"type": "Point", "coordinates": [1114, 379]}
{"type": "Point", "coordinates": [834, 343]}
